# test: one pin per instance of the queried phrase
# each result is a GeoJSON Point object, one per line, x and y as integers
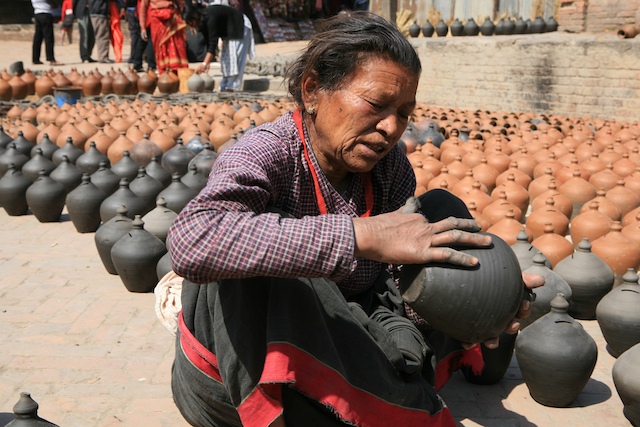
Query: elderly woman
{"type": "Point", "coordinates": [290, 315]}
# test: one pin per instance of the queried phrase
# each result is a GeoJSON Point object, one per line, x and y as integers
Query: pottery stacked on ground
{"type": "Point", "coordinates": [107, 161]}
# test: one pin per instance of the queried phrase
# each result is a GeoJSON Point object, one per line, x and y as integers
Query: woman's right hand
{"type": "Point", "coordinates": [408, 238]}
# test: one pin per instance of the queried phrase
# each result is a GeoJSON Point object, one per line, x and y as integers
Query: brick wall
{"type": "Point", "coordinates": [597, 16]}
{"type": "Point", "coordinates": [574, 75]}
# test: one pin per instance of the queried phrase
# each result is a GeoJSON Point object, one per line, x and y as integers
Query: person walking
{"type": "Point", "coordinates": [85, 28]}
{"type": "Point", "coordinates": [43, 17]}
{"type": "Point", "coordinates": [99, 12]}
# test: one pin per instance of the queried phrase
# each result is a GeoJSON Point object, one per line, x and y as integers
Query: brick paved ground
{"type": "Point", "coordinates": [93, 354]}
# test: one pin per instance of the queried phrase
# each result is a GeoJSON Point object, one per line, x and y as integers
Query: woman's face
{"type": "Point", "coordinates": [358, 123]}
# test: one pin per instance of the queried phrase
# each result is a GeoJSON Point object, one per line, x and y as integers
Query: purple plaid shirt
{"type": "Point", "coordinates": [228, 231]}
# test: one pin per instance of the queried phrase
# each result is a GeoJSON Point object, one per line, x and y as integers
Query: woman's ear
{"type": "Point", "coordinates": [310, 88]}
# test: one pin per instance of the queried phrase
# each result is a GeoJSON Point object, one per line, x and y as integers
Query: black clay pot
{"type": "Point", "coordinates": [509, 27]}
{"type": "Point", "coordinates": [45, 198]}
{"type": "Point", "coordinates": [499, 30]}
{"type": "Point", "coordinates": [109, 233]}
{"type": "Point", "coordinates": [590, 279]}
{"type": "Point", "coordinates": [457, 29]}
{"type": "Point", "coordinates": [626, 377]}
{"type": "Point", "coordinates": [194, 179]}
{"type": "Point", "coordinates": [553, 285]}
{"type": "Point", "coordinates": [471, 28]}
{"type": "Point", "coordinates": [525, 251]}
{"type": "Point", "coordinates": [196, 144]}
{"type": "Point", "coordinates": [147, 188]}
{"type": "Point", "coordinates": [176, 159]}
{"type": "Point", "coordinates": [155, 170]}
{"type": "Point", "coordinates": [204, 160]}
{"type": "Point", "coordinates": [68, 149]}
{"type": "Point", "coordinates": [442, 29]}
{"type": "Point", "coordinates": [89, 161]}
{"type": "Point", "coordinates": [177, 194]}
{"type": "Point", "coordinates": [537, 26]}
{"type": "Point", "coordinates": [496, 362]}
{"type": "Point", "coordinates": [67, 174]}
{"type": "Point", "coordinates": [164, 266]}
{"type": "Point", "coordinates": [4, 138]}
{"type": "Point", "coordinates": [414, 29]}
{"type": "Point", "coordinates": [22, 144]}
{"type": "Point", "coordinates": [427, 29]}
{"type": "Point", "coordinates": [520, 26]}
{"type": "Point", "coordinates": [618, 314]}
{"type": "Point", "coordinates": [37, 163]}
{"type": "Point", "coordinates": [25, 414]}
{"type": "Point", "coordinates": [11, 156]}
{"type": "Point", "coordinates": [432, 132]}
{"type": "Point", "coordinates": [83, 204]}
{"type": "Point", "coordinates": [135, 257]}
{"type": "Point", "coordinates": [47, 146]}
{"type": "Point", "coordinates": [468, 304]}
{"type": "Point", "coordinates": [105, 179]}
{"type": "Point", "coordinates": [488, 27]}
{"type": "Point", "coordinates": [122, 196]}
{"type": "Point", "coordinates": [126, 167]}
{"type": "Point", "coordinates": [159, 220]}
{"type": "Point", "coordinates": [13, 192]}
{"type": "Point", "coordinates": [551, 25]}
{"type": "Point", "coordinates": [556, 356]}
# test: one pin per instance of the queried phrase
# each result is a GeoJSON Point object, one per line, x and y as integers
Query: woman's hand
{"type": "Point", "coordinates": [531, 281]}
{"type": "Point", "coordinates": [408, 238]}
{"type": "Point", "coordinates": [202, 68]}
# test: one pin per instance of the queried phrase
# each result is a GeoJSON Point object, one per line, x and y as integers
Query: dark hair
{"type": "Point", "coordinates": [342, 43]}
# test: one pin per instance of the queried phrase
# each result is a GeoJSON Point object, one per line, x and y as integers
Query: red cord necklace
{"type": "Point", "coordinates": [322, 205]}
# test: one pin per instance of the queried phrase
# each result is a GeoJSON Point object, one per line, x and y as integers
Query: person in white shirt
{"type": "Point", "coordinates": [43, 18]}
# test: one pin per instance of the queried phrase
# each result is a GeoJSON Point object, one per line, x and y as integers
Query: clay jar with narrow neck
{"type": "Point", "coordinates": [618, 314]}
{"type": "Point", "coordinates": [556, 378]}
{"type": "Point", "coordinates": [553, 284]}
{"type": "Point", "coordinates": [590, 279]}
{"type": "Point", "coordinates": [83, 204]}
{"type": "Point", "coordinates": [135, 257]}
{"type": "Point", "coordinates": [626, 377]}
{"type": "Point", "coordinates": [109, 233]}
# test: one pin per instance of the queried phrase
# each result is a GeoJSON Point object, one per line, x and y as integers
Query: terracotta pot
{"type": "Point", "coordinates": [552, 245]}
{"type": "Point", "coordinates": [19, 88]}
{"type": "Point", "coordinates": [617, 251]}
{"type": "Point", "coordinates": [628, 31]}
{"type": "Point", "coordinates": [625, 199]}
{"type": "Point", "coordinates": [537, 220]}
{"type": "Point", "coordinates": [507, 228]}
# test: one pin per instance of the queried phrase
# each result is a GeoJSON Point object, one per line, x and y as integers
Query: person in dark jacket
{"type": "Point", "coordinates": [87, 37]}
{"type": "Point", "coordinates": [139, 47]}
{"type": "Point", "coordinates": [43, 17]}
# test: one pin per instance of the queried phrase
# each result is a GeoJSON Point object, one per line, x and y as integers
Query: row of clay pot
{"type": "Point", "coordinates": [16, 87]}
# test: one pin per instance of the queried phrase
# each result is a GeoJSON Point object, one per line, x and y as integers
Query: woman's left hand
{"type": "Point", "coordinates": [531, 281]}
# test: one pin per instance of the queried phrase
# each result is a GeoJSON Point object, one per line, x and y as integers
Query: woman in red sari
{"type": "Point", "coordinates": [164, 19]}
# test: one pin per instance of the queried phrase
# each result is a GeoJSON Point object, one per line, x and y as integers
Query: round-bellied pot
{"type": "Point", "coordinates": [13, 191]}
{"type": "Point", "coordinates": [556, 356]}
{"type": "Point", "coordinates": [83, 204]}
{"type": "Point", "coordinates": [618, 314]}
{"type": "Point", "coordinates": [135, 257]}
{"type": "Point", "coordinates": [159, 220]}
{"type": "Point", "coordinates": [109, 233]}
{"type": "Point", "coordinates": [553, 285]}
{"type": "Point", "coordinates": [468, 304]}
{"type": "Point", "coordinates": [177, 194]}
{"type": "Point", "coordinates": [45, 198]}
{"type": "Point", "coordinates": [122, 196]}
{"type": "Point", "coordinates": [626, 377]}
{"type": "Point", "coordinates": [589, 277]}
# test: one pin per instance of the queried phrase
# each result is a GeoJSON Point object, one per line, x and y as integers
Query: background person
{"type": "Point", "coordinates": [43, 18]}
{"type": "Point", "coordinates": [66, 28]}
{"type": "Point", "coordinates": [289, 310]}
{"type": "Point", "coordinates": [167, 29]}
{"type": "Point", "coordinates": [85, 29]}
